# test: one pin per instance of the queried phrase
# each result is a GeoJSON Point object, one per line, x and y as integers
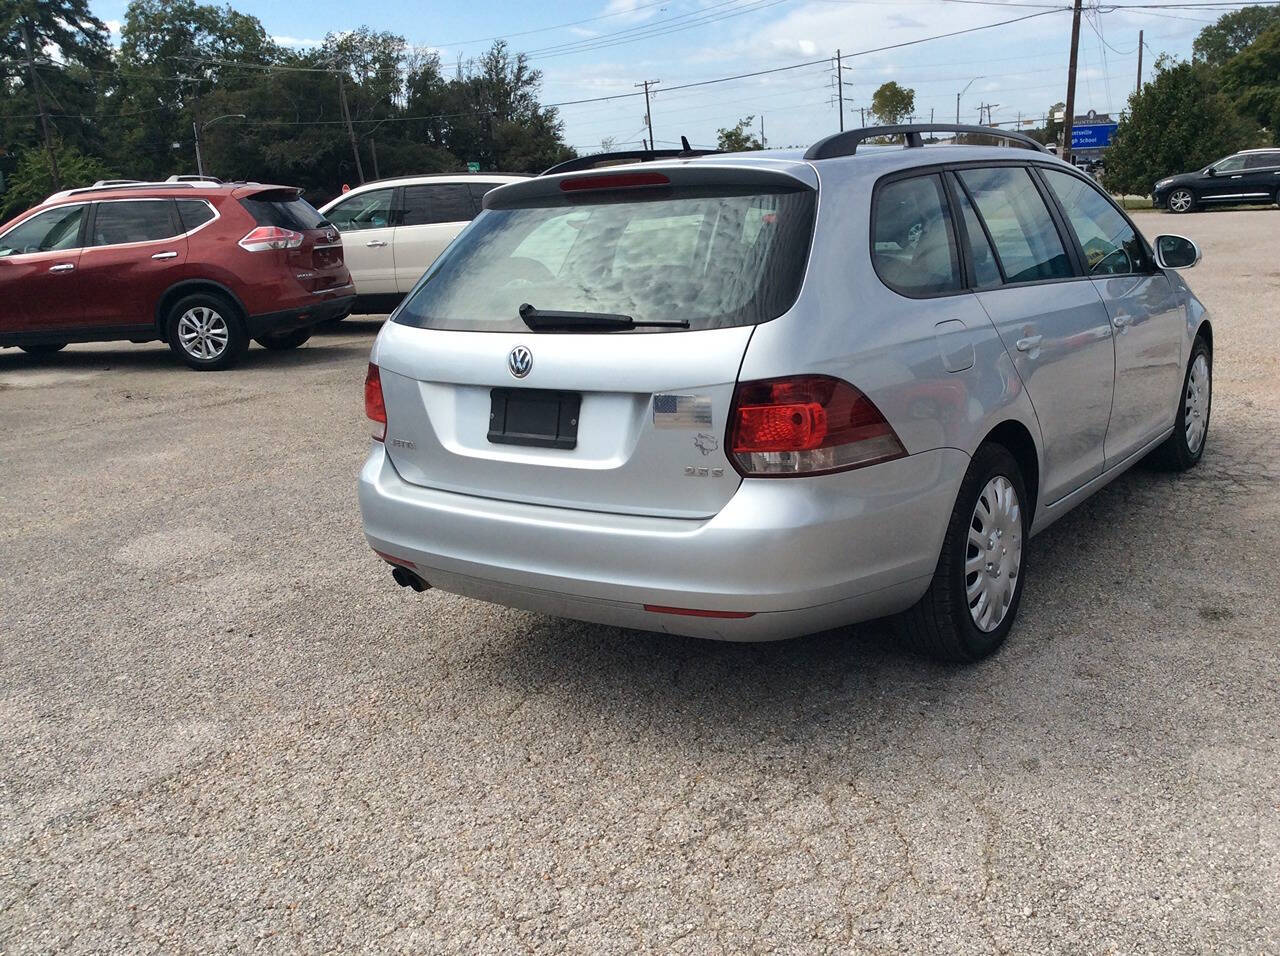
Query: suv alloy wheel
{"type": "Point", "coordinates": [1181, 200]}
{"type": "Point", "coordinates": [205, 331]}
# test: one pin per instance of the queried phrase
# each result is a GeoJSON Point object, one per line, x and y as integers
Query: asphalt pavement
{"type": "Point", "coordinates": [224, 727]}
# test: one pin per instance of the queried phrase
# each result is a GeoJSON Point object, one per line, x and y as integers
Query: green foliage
{"type": "Point", "coordinates": [182, 63]}
{"type": "Point", "coordinates": [891, 103]}
{"type": "Point", "coordinates": [1180, 121]}
{"type": "Point", "coordinates": [1230, 34]}
{"type": "Point", "coordinates": [1252, 79]}
{"type": "Point", "coordinates": [32, 180]}
{"type": "Point", "coordinates": [738, 138]}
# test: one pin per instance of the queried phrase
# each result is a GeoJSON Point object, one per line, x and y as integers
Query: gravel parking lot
{"type": "Point", "coordinates": [224, 727]}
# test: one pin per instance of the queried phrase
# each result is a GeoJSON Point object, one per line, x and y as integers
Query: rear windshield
{"type": "Point", "coordinates": [717, 257]}
{"type": "Point", "coordinates": [285, 210]}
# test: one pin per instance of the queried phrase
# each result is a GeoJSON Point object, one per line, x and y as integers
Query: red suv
{"type": "Point", "coordinates": [204, 266]}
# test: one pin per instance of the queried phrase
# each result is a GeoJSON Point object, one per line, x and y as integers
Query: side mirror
{"type": "Point", "coordinates": [1210, 171]}
{"type": "Point", "coordinates": [1176, 252]}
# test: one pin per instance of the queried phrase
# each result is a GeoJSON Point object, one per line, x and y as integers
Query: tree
{"type": "Point", "coordinates": [1219, 42]}
{"type": "Point", "coordinates": [738, 139]}
{"type": "Point", "coordinates": [1179, 121]}
{"type": "Point", "coordinates": [891, 103]}
{"type": "Point", "coordinates": [1252, 79]}
{"type": "Point", "coordinates": [32, 181]}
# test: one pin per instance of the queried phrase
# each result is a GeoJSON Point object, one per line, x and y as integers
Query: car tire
{"type": "Point", "coordinates": [1181, 201]}
{"type": "Point", "coordinates": [44, 348]}
{"type": "Point", "coordinates": [283, 341]}
{"type": "Point", "coordinates": [973, 598]}
{"type": "Point", "coordinates": [205, 331]}
{"type": "Point", "coordinates": [1185, 447]}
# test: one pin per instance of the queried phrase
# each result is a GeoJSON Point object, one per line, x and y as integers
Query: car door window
{"type": "Point", "coordinates": [982, 258]}
{"type": "Point", "coordinates": [913, 246]}
{"type": "Point", "coordinates": [1019, 223]}
{"type": "Point", "coordinates": [371, 210]}
{"type": "Point", "coordinates": [54, 230]}
{"type": "Point", "coordinates": [1262, 161]}
{"type": "Point", "coordinates": [437, 202]}
{"type": "Point", "coordinates": [477, 191]}
{"type": "Point", "coordinates": [125, 221]}
{"type": "Point", "coordinates": [1232, 164]}
{"type": "Point", "coordinates": [1111, 246]}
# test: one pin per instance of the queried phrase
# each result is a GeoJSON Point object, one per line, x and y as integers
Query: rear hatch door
{"type": "Point", "coordinates": [317, 263]}
{"type": "Point", "coordinates": [630, 420]}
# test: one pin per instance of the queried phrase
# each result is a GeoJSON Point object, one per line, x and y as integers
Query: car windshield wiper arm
{"type": "Point", "coordinates": [545, 320]}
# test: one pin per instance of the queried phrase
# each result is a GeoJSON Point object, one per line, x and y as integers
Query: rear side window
{"type": "Point", "coordinates": [913, 246]}
{"type": "Point", "coordinates": [50, 231]}
{"type": "Point", "coordinates": [1026, 239]}
{"type": "Point", "coordinates": [371, 210]}
{"type": "Point", "coordinates": [194, 213]}
{"type": "Point", "coordinates": [478, 190]}
{"type": "Point", "coordinates": [437, 202]}
{"type": "Point", "coordinates": [285, 209]}
{"type": "Point", "coordinates": [1262, 160]}
{"type": "Point", "coordinates": [117, 223]}
{"type": "Point", "coordinates": [715, 256]}
{"type": "Point", "coordinates": [982, 258]}
{"type": "Point", "coordinates": [1111, 246]}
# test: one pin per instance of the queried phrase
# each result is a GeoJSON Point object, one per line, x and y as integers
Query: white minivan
{"type": "Point", "coordinates": [393, 229]}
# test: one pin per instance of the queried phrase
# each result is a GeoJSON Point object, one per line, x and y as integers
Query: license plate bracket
{"type": "Point", "coordinates": [535, 417]}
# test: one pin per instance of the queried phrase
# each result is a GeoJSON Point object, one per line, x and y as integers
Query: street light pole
{"type": "Point", "coordinates": [199, 128]}
{"type": "Point", "coordinates": [962, 93]}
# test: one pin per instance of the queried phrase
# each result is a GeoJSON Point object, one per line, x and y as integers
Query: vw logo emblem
{"type": "Point", "coordinates": [520, 361]}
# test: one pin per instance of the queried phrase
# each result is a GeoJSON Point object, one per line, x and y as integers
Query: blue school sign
{"type": "Point", "coordinates": [1092, 136]}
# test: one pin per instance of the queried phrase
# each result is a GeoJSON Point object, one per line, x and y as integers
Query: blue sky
{"type": "Point", "coordinates": [1022, 66]}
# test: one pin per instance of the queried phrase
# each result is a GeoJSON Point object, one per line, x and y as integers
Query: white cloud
{"type": "Point", "coordinates": [628, 11]}
{"type": "Point", "coordinates": [296, 41]}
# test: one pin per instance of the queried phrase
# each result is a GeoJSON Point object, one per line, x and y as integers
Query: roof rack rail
{"type": "Point", "coordinates": [193, 178]}
{"type": "Point", "coordinates": [846, 143]}
{"type": "Point", "coordinates": [625, 156]}
{"type": "Point", "coordinates": [113, 182]}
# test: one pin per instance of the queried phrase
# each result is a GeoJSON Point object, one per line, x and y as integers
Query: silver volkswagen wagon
{"type": "Point", "coordinates": [752, 396]}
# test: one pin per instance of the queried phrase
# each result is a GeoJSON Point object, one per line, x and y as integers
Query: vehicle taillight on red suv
{"type": "Point", "coordinates": [806, 425]}
{"type": "Point", "coordinates": [271, 237]}
{"type": "Point", "coordinates": [374, 407]}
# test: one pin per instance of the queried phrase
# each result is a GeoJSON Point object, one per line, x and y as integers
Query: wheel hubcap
{"type": "Point", "coordinates": [1196, 409]}
{"type": "Point", "coordinates": [203, 333]}
{"type": "Point", "coordinates": [1180, 201]}
{"type": "Point", "coordinates": [993, 557]}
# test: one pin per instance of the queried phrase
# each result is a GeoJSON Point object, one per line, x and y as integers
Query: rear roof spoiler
{"type": "Point", "coordinates": [596, 160]}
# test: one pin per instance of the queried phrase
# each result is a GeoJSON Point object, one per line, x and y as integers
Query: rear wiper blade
{"type": "Point", "coordinates": [546, 320]}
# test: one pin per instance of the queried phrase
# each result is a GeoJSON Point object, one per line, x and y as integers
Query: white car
{"type": "Point", "coordinates": [393, 229]}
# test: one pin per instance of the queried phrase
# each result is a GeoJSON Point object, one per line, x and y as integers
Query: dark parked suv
{"type": "Point", "coordinates": [1250, 176]}
{"type": "Point", "coordinates": [204, 266]}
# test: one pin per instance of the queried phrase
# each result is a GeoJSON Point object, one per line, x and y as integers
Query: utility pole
{"type": "Point", "coordinates": [862, 116]}
{"type": "Point", "coordinates": [346, 115]}
{"type": "Point", "coordinates": [1139, 87]}
{"type": "Point", "coordinates": [1069, 119]}
{"type": "Point", "coordinates": [930, 115]}
{"type": "Point", "coordinates": [195, 128]}
{"type": "Point", "coordinates": [373, 153]}
{"type": "Point", "coordinates": [762, 139]}
{"type": "Point", "coordinates": [648, 114]}
{"type": "Point", "coordinates": [44, 115]}
{"type": "Point", "coordinates": [961, 93]}
{"type": "Point", "coordinates": [840, 87]}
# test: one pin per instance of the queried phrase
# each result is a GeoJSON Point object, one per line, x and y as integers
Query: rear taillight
{"type": "Point", "coordinates": [374, 407]}
{"type": "Point", "coordinates": [613, 181]}
{"type": "Point", "coordinates": [806, 425]}
{"type": "Point", "coordinates": [271, 237]}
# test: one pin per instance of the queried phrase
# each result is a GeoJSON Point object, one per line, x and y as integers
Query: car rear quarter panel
{"type": "Point", "coordinates": [935, 367]}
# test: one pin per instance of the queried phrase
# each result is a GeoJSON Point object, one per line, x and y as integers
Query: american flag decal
{"type": "Point", "coordinates": [681, 411]}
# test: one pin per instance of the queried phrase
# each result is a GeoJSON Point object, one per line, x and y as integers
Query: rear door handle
{"type": "Point", "coordinates": [1122, 322]}
{"type": "Point", "coordinates": [375, 243]}
{"type": "Point", "coordinates": [62, 267]}
{"type": "Point", "coordinates": [165, 255]}
{"type": "Point", "coordinates": [1029, 343]}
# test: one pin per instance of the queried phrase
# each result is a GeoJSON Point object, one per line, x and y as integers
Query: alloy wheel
{"type": "Point", "coordinates": [203, 333]}
{"type": "Point", "coordinates": [1180, 200]}
{"type": "Point", "coordinates": [993, 557]}
{"type": "Point", "coordinates": [1196, 408]}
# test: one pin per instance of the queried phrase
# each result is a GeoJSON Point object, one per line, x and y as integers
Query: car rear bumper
{"type": "Point", "coordinates": [330, 305]}
{"type": "Point", "coordinates": [797, 555]}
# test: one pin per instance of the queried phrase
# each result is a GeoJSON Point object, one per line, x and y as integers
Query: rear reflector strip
{"type": "Point", "coordinates": [614, 181]}
{"type": "Point", "coordinates": [693, 612]}
{"type": "Point", "coordinates": [392, 559]}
